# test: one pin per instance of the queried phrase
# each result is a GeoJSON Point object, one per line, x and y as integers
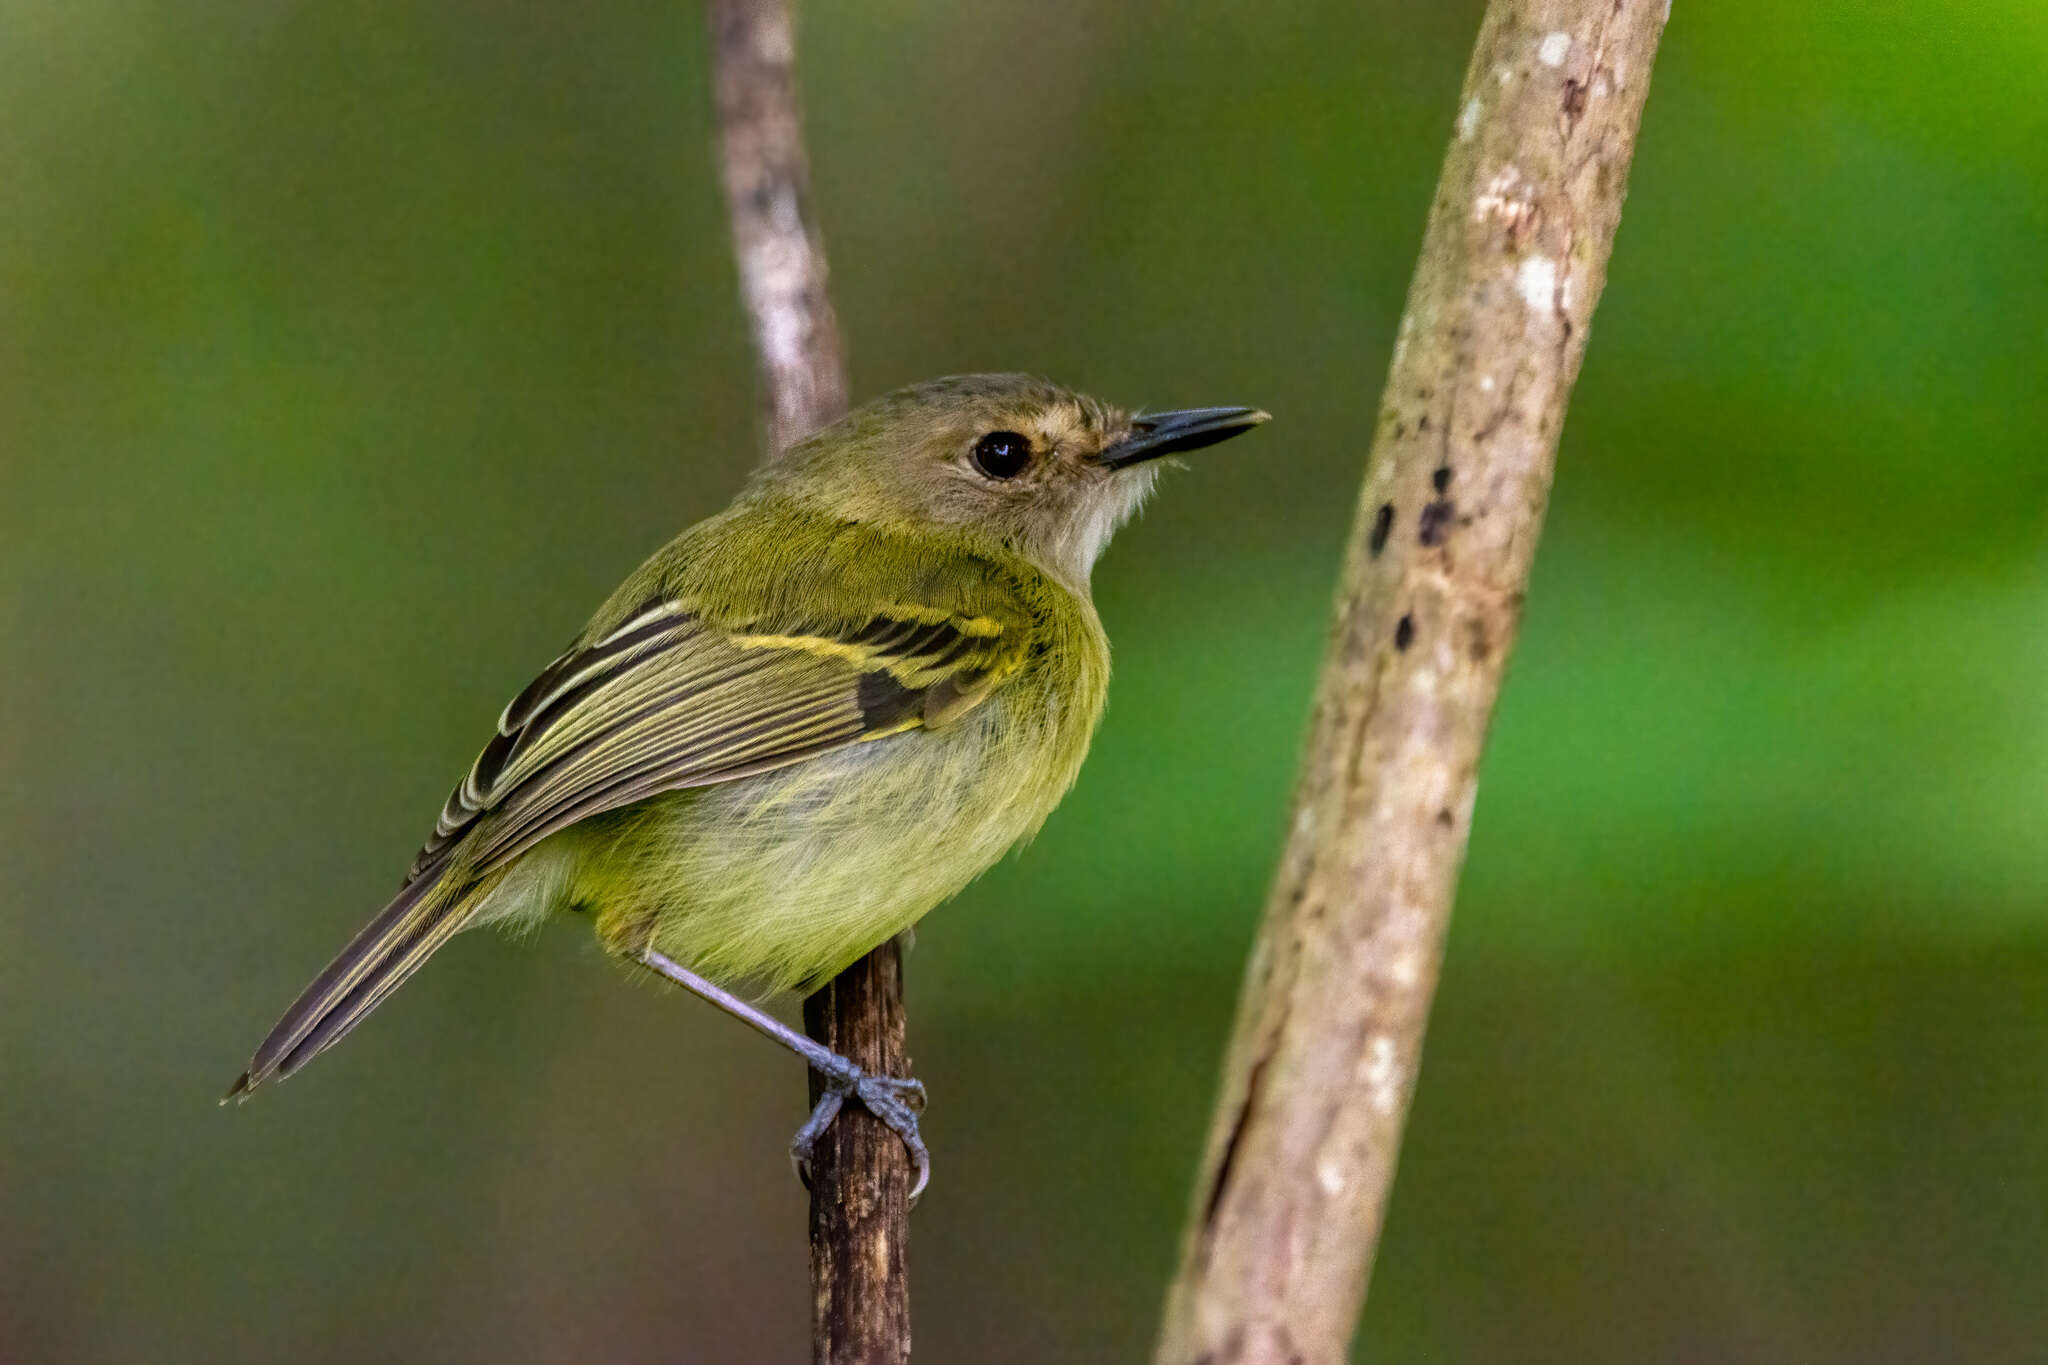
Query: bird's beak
{"type": "Point", "coordinates": [1170, 433]}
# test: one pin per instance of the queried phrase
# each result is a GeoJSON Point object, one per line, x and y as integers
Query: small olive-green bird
{"type": "Point", "coordinates": [804, 722]}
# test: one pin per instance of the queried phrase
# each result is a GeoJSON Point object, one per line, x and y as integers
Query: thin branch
{"type": "Point", "coordinates": [768, 191]}
{"type": "Point", "coordinates": [860, 1176]}
{"type": "Point", "coordinates": [1322, 1063]}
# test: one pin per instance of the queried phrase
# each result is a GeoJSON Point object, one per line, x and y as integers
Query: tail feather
{"type": "Point", "coordinates": [390, 948]}
{"type": "Point", "coordinates": [405, 959]}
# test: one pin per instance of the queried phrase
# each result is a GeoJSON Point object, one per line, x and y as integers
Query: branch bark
{"type": "Point", "coordinates": [1322, 1063]}
{"type": "Point", "coordinates": [768, 193]}
{"type": "Point", "coordinates": [860, 1176]}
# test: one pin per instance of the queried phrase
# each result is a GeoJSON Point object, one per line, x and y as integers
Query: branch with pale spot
{"type": "Point", "coordinates": [767, 192]}
{"type": "Point", "coordinates": [1322, 1063]}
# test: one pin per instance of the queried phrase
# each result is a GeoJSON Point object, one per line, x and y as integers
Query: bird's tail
{"type": "Point", "coordinates": [425, 914]}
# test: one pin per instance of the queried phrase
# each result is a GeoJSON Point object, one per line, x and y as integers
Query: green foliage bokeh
{"type": "Point", "coordinates": [352, 352]}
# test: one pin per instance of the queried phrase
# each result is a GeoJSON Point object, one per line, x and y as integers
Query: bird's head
{"type": "Point", "coordinates": [1046, 471]}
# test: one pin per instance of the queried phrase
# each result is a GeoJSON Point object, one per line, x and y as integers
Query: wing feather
{"type": "Point", "coordinates": [668, 699]}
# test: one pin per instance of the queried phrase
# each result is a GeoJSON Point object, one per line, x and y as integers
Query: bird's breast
{"type": "Point", "coordinates": [785, 877]}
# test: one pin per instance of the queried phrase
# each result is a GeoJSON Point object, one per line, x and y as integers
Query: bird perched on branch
{"type": "Point", "coordinates": [801, 724]}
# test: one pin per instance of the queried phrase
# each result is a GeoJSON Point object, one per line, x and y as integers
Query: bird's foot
{"type": "Point", "coordinates": [896, 1102]}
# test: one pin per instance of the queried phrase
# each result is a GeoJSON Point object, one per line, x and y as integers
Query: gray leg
{"type": "Point", "coordinates": [896, 1103]}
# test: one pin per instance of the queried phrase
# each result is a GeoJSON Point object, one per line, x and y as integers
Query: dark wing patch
{"type": "Point", "coordinates": [884, 703]}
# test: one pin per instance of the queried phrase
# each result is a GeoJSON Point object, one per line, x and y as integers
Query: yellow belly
{"type": "Point", "coordinates": [783, 879]}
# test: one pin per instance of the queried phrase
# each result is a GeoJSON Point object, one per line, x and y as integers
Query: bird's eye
{"type": "Point", "coordinates": [1002, 454]}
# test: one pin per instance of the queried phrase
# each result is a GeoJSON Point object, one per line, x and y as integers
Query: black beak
{"type": "Point", "coordinates": [1171, 433]}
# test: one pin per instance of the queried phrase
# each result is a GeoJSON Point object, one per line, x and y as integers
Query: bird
{"type": "Point", "coordinates": [800, 725]}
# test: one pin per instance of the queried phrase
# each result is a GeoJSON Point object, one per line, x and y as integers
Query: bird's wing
{"type": "Point", "coordinates": [671, 698]}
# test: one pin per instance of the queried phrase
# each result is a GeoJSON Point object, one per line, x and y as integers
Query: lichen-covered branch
{"type": "Point", "coordinates": [1293, 1187]}
{"type": "Point", "coordinates": [860, 1175]}
{"type": "Point", "coordinates": [767, 188]}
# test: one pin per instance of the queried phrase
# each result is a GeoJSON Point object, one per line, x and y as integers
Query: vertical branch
{"type": "Point", "coordinates": [768, 191]}
{"type": "Point", "coordinates": [1322, 1062]}
{"type": "Point", "coordinates": [860, 1176]}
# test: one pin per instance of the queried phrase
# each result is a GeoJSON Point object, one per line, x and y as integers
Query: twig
{"type": "Point", "coordinates": [1323, 1059]}
{"type": "Point", "coordinates": [860, 1177]}
{"type": "Point", "coordinates": [768, 191]}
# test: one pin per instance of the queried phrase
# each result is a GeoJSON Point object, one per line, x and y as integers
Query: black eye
{"type": "Point", "coordinates": [1002, 454]}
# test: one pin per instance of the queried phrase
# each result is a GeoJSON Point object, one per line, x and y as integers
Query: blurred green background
{"type": "Point", "coordinates": [351, 352]}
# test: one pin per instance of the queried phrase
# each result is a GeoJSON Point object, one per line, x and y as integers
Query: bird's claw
{"type": "Point", "coordinates": [896, 1101]}
{"type": "Point", "coordinates": [906, 1092]}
